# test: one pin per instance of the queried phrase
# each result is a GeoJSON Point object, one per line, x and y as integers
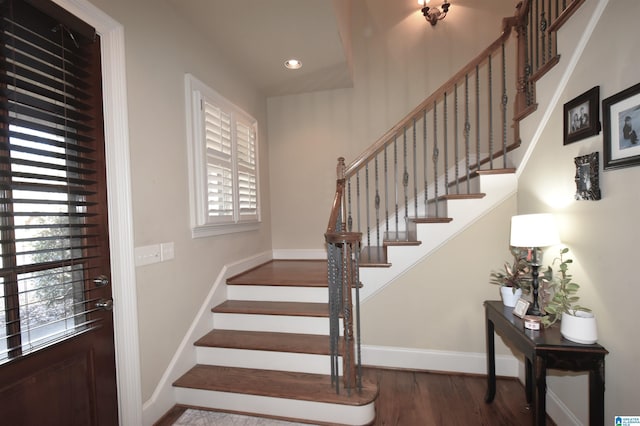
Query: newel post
{"type": "Point", "coordinates": [340, 168]}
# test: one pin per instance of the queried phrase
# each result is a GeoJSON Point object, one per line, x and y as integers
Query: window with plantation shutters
{"type": "Point", "coordinates": [51, 179]}
{"type": "Point", "coordinates": [223, 163]}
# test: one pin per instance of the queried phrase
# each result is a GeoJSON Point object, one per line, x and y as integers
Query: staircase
{"type": "Point", "coordinates": [268, 353]}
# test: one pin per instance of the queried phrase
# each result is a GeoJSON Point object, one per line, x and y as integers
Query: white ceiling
{"type": "Point", "coordinates": [259, 35]}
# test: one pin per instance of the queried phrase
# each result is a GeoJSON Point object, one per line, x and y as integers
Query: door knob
{"type": "Point", "coordinates": [105, 304]}
{"type": "Point", "coordinates": [101, 280]}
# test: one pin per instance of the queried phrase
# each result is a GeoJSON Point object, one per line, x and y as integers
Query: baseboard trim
{"type": "Point", "coordinates": [556, 409]}
{"type": "Point", "coordinates": [163, 397]}
{"type": "Point", "coordinates": [435, 360]}
{"type": "Point", "coordinates": [462, 363]}
{"type": "Point", "coordinates": [300, 254]}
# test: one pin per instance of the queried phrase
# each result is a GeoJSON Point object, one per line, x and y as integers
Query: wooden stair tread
{"type": "Point", "coordinates": [266, 341]}
{"type": "Point", "coordinates": [509, 170]}
{"type": "Point", "coordinates": [299, 273]}
{"type": "Point", "coordinates": [462, 196]}
{"type": "Point", "coordinates": [277, 384]}
{"type": "Point", "coordinates": [273, 308]}
{"type": "Point", "coordinates": [431, 219]}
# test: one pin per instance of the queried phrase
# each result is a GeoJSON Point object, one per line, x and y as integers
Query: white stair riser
{"type": "Point", "coordinates": [278, 294]}
{"type": "Point", "coordinates": [266, 360]}
{"type": "Point", "coordinates": [272, 323]}
{"type": "Point", "coordinates": [278, 407]}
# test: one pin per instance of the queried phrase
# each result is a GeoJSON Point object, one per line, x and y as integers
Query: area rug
{"type": "Point", "coordinates": [212, 418]}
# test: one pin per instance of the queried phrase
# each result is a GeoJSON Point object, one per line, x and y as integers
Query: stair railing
{"type": "Point", "coordinates": [434, 152]}
{"type": "Point", "coordinates": [343, 250]}
{"type": "Point", "coordinates": [537, 45]}
{"type": "Point", "coordinates": [465, 127]}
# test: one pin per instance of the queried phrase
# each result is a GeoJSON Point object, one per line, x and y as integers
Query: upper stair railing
{"type": "Point", "coordinates": [537, 45]}
{"type": "Point", "coordinates": [465, 128]}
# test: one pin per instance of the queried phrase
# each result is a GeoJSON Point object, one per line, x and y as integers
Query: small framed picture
{"type": "Point", "coordinates": [520, 310]}
{"type": "Point", "coordinates": [621, 124]}
{"type": "Point", "coordinates": [582, 116]}
{"type": "Point", "coordinates": [587, 179]}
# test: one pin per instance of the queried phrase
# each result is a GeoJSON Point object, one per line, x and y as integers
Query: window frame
{"type": "Point", "coordinates": [202, 224]}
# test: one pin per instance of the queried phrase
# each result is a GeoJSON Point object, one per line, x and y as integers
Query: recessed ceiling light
{"type": "Point", "coordinates": [293, 64]}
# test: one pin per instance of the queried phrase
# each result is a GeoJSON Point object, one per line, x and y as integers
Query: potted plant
{"type": "Point", "coordinates": [515, 279]}
{"type": "Point", "coordinates": [577, 323]}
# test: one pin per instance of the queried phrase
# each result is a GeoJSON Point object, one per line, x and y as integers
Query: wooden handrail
{"type": "Point", "coordinates": [507, 25]}
{"type": "Point", "coordinates": [344, 245]}
{"type": "Point", "coordinates": [565, 15]}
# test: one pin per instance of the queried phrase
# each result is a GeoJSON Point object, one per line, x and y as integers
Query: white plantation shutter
{"type": "Point", "coordinates": [219, 156]}
{"type": "Point", "coordinates": [224, 163]}
{"type": "Point", "coordinates": [247, 171]}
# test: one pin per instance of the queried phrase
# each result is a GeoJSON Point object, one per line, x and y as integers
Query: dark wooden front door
{"type": "Point", "coordinates": [57, 358]}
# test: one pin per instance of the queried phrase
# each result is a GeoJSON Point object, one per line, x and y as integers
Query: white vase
{"type": "Point", "coordinates": [579, 328]}
{"type": "Point", "coordinates": [509, 298]}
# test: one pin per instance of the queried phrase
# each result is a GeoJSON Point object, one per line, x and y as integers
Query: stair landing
{"type": "Point", "coordinates": [305, 273]}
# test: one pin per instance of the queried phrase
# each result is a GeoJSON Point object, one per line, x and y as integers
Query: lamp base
{"type": "Point", "coordinates": [535, 311]}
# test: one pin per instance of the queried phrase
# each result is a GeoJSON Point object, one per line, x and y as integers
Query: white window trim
{"type": "Point", "coordinates": [201, 225]}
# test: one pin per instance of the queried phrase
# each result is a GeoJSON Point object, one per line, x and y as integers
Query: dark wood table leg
{"type": "Point", "coordinates": [528, 381]}
{"type": "Point", "coordinates": [491, 364]}
{"type": "Point", "coordinates": [540, 394]}
{"type": "Point", "coordinates": [596, 394]}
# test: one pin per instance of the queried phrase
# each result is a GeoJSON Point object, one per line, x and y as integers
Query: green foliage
{"type": "Point", "coordinates": [56, 284]}
{"type": "Point", "coordinates": [516, 274]}
{"type": "Point", "coordinates": [564, 291]}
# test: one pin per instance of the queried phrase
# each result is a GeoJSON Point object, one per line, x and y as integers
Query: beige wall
{"type": "Point", "coordinates": [395, 67]}
{"type": "Point", "coordinates": [437, 305]}
{"type": "Point", "coordinates": [399, 59]}
{"type": "Point", "coordinates": [602, 235]}
{"type": "Point", "coordinates": [160, 49]}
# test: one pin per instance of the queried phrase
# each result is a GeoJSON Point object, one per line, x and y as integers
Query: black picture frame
{"type": "Point", "coordinates": [582, 116]}
{"type": "Point", "coordinates": [621, 121]}
{"type": "Point", "coordinates": [587, 177]}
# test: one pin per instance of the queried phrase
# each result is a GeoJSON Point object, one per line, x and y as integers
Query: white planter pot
{"type": "Point", "coordinates": [509, 298]}
{"type": "Point", "coordinates": [579, 328]}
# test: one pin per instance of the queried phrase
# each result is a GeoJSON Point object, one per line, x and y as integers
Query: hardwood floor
{"type": "Point", "coordinates": [420, 398]}
{"type": "Point", "coordinates": [410, 398]}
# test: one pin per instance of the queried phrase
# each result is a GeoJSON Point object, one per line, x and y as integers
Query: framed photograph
{"type": "Point", "coordinates": [520, 310]}
{"type": "Point", "coordinates": [587, 179]}
{"type": "Point", "coordinates": [582, 116]}
{"type": "Point", "coordinates": [621, 124]}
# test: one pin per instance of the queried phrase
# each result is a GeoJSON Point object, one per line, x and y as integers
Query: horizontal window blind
{"type": "Point", "coordinates": [51, 179]}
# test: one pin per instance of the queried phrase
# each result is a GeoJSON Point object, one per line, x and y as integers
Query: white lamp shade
{"type": "Point", "coordinates": [534, 230]}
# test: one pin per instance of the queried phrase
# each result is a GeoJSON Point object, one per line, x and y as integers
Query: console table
{"type": "Point", "coordinates": [545, 348]}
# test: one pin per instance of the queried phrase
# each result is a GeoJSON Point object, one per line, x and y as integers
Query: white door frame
{"type": "Point", "coordinates": [125, 310]}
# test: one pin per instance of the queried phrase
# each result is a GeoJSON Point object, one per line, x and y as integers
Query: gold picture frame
{"type": "Point", "coordinates": [520, 310]}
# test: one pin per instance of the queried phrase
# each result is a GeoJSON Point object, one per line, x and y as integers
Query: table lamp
{"type": "Point", "coordinates": [533, 231]}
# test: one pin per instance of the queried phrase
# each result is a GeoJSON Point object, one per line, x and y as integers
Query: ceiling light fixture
{"type": "Point", "coordinates": [433, 14]}
{"type": "Point", "coordinates": [293, 64]}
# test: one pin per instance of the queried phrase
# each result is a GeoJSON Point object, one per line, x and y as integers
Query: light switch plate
{"type": "Point", "coordinates": [146, 255]}
{"type": "Point", "coordinates": [166, 251]}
